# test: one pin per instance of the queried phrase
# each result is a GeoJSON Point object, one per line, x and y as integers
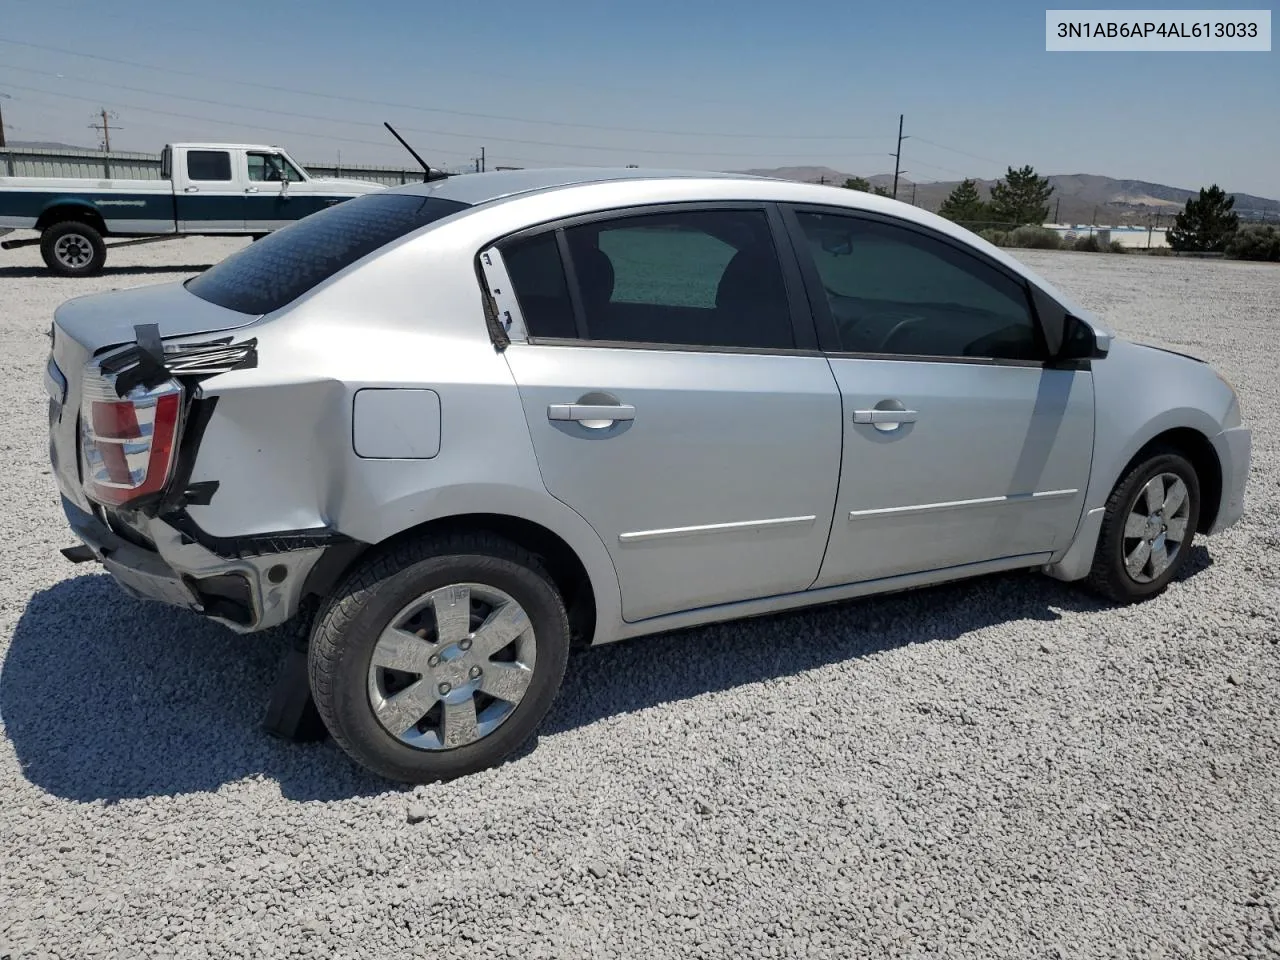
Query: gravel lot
{"type": "Point", "coordinates": [1004, 768]}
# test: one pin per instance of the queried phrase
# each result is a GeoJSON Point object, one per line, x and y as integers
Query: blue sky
{"type": "Point", "coordinates": [688, 83]}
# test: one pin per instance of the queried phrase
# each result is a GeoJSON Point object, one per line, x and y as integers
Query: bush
{"type": "Point", "coordinates": [1160, 251]}
{"type": "Point", "coordinates": [1086, 244]}
{"type": "Point", "coordinates": [1116, 247]}
{"type": "Point", "coordinates": [1255, 241]}
{"type": "Point", "coordinates": [999, 237]}
{"type": "Point", "coordinates": [1034, 238]}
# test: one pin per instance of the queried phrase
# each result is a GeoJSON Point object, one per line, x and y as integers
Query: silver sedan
{"type": "Point", "coordinates": [449, 429]}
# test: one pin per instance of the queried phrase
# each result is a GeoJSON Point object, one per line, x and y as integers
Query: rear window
{"type": "Point", "coordinates": [282, 266]}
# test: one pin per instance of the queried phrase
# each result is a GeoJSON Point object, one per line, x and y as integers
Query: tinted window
{"type": "Point", "coordinates": [208, 165]}
{"type": "Point", "coordinates": [282, 266]}
{"type": "Point", "coordinates": [897, 291]}
{"type": "Point", "coordinates": [701, 278]}
{"type": "Point", "coordinates": [536, 273]}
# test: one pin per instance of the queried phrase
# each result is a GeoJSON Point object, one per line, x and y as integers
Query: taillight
{"type": "Point", "coordinates": [128, 444]}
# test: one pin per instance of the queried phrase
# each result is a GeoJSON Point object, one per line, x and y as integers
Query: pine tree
{"type": "Point", "coordinates": [965, 204]}
{"type": "Point", "coordinates": [1022, 197]}
{"type": "Point", "coordinates": [1207, 223]}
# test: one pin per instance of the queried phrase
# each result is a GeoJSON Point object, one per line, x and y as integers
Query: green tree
{"type": "Point", "coordinates": [881, 191]}
{"type": "Point", "coordinates": [1207, 223]}
{"type": "Point", "coordinates": [858, 183]}
{"type": "Point", "coordinates": [965, 204]}
{"type": "Point", "coordinates": [1021, 197]}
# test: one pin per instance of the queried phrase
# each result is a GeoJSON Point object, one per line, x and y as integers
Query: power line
{"type": "Point", "coordinates": [934, 166]}
{"type": "Point", "coordinates": [363, 123]}
{"type": "Point", "coordinates": [942, 146]}
{"type": "Point", "coordinates": [275, 88]}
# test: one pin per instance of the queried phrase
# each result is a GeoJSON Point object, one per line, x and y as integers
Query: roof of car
{"type": "Point", "coordinates": [474, 188]}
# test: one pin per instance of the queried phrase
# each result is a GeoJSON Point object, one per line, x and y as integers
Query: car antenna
{"type": "Point", "coordinates": [426, 170]}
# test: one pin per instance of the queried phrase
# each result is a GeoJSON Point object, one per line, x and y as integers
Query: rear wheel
{"type": "Point", "coordinates": [440, 658]}
{"type": "Point", "coordinates": [1147, 529]}
{"type": "Point", "coordinates": [73, 249]}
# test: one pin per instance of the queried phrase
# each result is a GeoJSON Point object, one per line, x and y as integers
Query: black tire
{"type": "Point", "coordinates": [1110, 576]}
{"type": "Point", "coordinates": [73, 249]}
{"type": "Point", "coordinates": [347, 630]}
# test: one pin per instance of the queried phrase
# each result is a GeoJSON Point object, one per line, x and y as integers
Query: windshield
{"type": "Point", "coordinates": [282, 266]}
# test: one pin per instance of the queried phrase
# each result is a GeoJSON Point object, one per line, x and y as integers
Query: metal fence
{"type": "Point", "coordinates": [93, 164]}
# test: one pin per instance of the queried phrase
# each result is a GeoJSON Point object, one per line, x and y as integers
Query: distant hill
{"type": "Point", "coordinates": [43, 145]}
{"type": "Point", "coordinates": [1082, 196]}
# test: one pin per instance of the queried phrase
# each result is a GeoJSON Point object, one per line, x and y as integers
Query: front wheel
{"type": "Point", "coordinates": [1150, 520]}
{"type": "Point", "coordinates": [73, 249]}
{"type": "Point", "coordinates": [440, 658]}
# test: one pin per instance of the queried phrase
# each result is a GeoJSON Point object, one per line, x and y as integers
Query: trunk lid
{"type": "Point", "coordinates": [104, 320]}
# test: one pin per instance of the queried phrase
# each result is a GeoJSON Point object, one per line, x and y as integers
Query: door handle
{"type": "Point", "coordinates": [885, 416]}
{"type": "Point", "coordinates": [608, 412]}
{"type": "Point", "coordinates": [251, 190]}
{"type": "Point", "coordinates": [190, 189]}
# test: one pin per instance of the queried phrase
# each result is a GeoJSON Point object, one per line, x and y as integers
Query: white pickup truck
{"type": "Point", "coordinates": [205, 188]}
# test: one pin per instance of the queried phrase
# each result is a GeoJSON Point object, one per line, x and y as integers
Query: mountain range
{"type": "Point", "coordinates": [1077, 197]}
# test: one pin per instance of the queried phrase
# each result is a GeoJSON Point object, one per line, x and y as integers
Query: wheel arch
{"type": "Point", "coordinates": [61, 211]}
{"type": "Point", "coordinates": [580, 592]}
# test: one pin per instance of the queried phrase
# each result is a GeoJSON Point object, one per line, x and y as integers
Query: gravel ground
{"type": "Point", "coordinates": [1005, 768]}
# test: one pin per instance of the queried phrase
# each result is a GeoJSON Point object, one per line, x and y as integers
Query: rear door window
{"type": "Point", "coordinates": [695, 278]}
{"type": "Point", "coordinates": [282, 266]}
{"type": "Point", "coordinates": [212, 166]}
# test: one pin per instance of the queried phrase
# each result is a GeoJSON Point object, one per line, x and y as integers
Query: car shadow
{"type": "Point", "coordinates": [106, 698]}
{"type": "Point", "coordinates": [28, 273]}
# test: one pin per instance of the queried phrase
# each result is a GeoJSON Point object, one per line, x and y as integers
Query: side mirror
{"type": "Point", "coordinates": [1081, 342]}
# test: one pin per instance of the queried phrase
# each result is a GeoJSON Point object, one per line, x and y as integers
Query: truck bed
{"type": "Point", "coordinates": [127, 207]}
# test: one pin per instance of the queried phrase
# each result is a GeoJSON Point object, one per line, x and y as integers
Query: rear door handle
{"type": "Point", "coordinates": [591, 411]}
{"type": "Point", "coordinates": [250, 189]}
{"type": "Point", "coordinates": [190, 189]}
{"type": "Point", "coordinates": [885, 416]}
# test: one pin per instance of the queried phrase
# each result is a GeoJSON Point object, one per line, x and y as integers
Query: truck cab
{"type": "Point", "coordinates": [245, 188]}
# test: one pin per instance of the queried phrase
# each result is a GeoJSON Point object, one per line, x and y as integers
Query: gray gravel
{"type": "Point", "coordinates": [1004, 768]}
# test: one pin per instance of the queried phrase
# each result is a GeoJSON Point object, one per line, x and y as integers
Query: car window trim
{"type": "Point", "coordinates": [828, 335]}
{"type": "Point", "coordinates": [670, 347]}
{"type": "Point", "coordinates": [803, 331]}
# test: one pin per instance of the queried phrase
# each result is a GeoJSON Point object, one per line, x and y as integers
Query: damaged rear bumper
{"type": "Point", "coordinates": [247, 593]}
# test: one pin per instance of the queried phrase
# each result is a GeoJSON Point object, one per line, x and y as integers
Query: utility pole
{"type": "Point", "coordinates": [897, 158]}
{"type": "Point", "coordinates": [482, 163]}
{"type": "Point", "coordinates": [913, 194]}
{"type": "Point", "coordinates": [1057, 209]}
{"type": "Point", "coordinates": [2, 97]}
{"type": "Point", "coordinates": [104, 128]}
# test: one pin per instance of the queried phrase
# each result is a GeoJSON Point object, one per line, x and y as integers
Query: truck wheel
{"type": "Point", "coordinates": [1148, 526]}
{"type": "Point", "coordinates": [73, 249]}
{"type": "Point", "coordinates": [439, 658]}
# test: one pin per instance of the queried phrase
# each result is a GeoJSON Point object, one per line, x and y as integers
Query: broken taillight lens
{"type": "Point", "coordinates": [128, 444]}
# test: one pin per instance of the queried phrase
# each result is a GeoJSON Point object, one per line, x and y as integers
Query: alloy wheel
{"type": "Point", "coordinates": [1156, 527]}
{"type": "Point", "coordinates": [452, 666]}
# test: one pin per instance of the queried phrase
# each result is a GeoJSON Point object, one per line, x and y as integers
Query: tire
{"type": "Point", "coordinates": [369, 691]}
{"type": "Point", "coordinates": [1123, 570]}
{"type": "Point", "coordinates": [73, 249]}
